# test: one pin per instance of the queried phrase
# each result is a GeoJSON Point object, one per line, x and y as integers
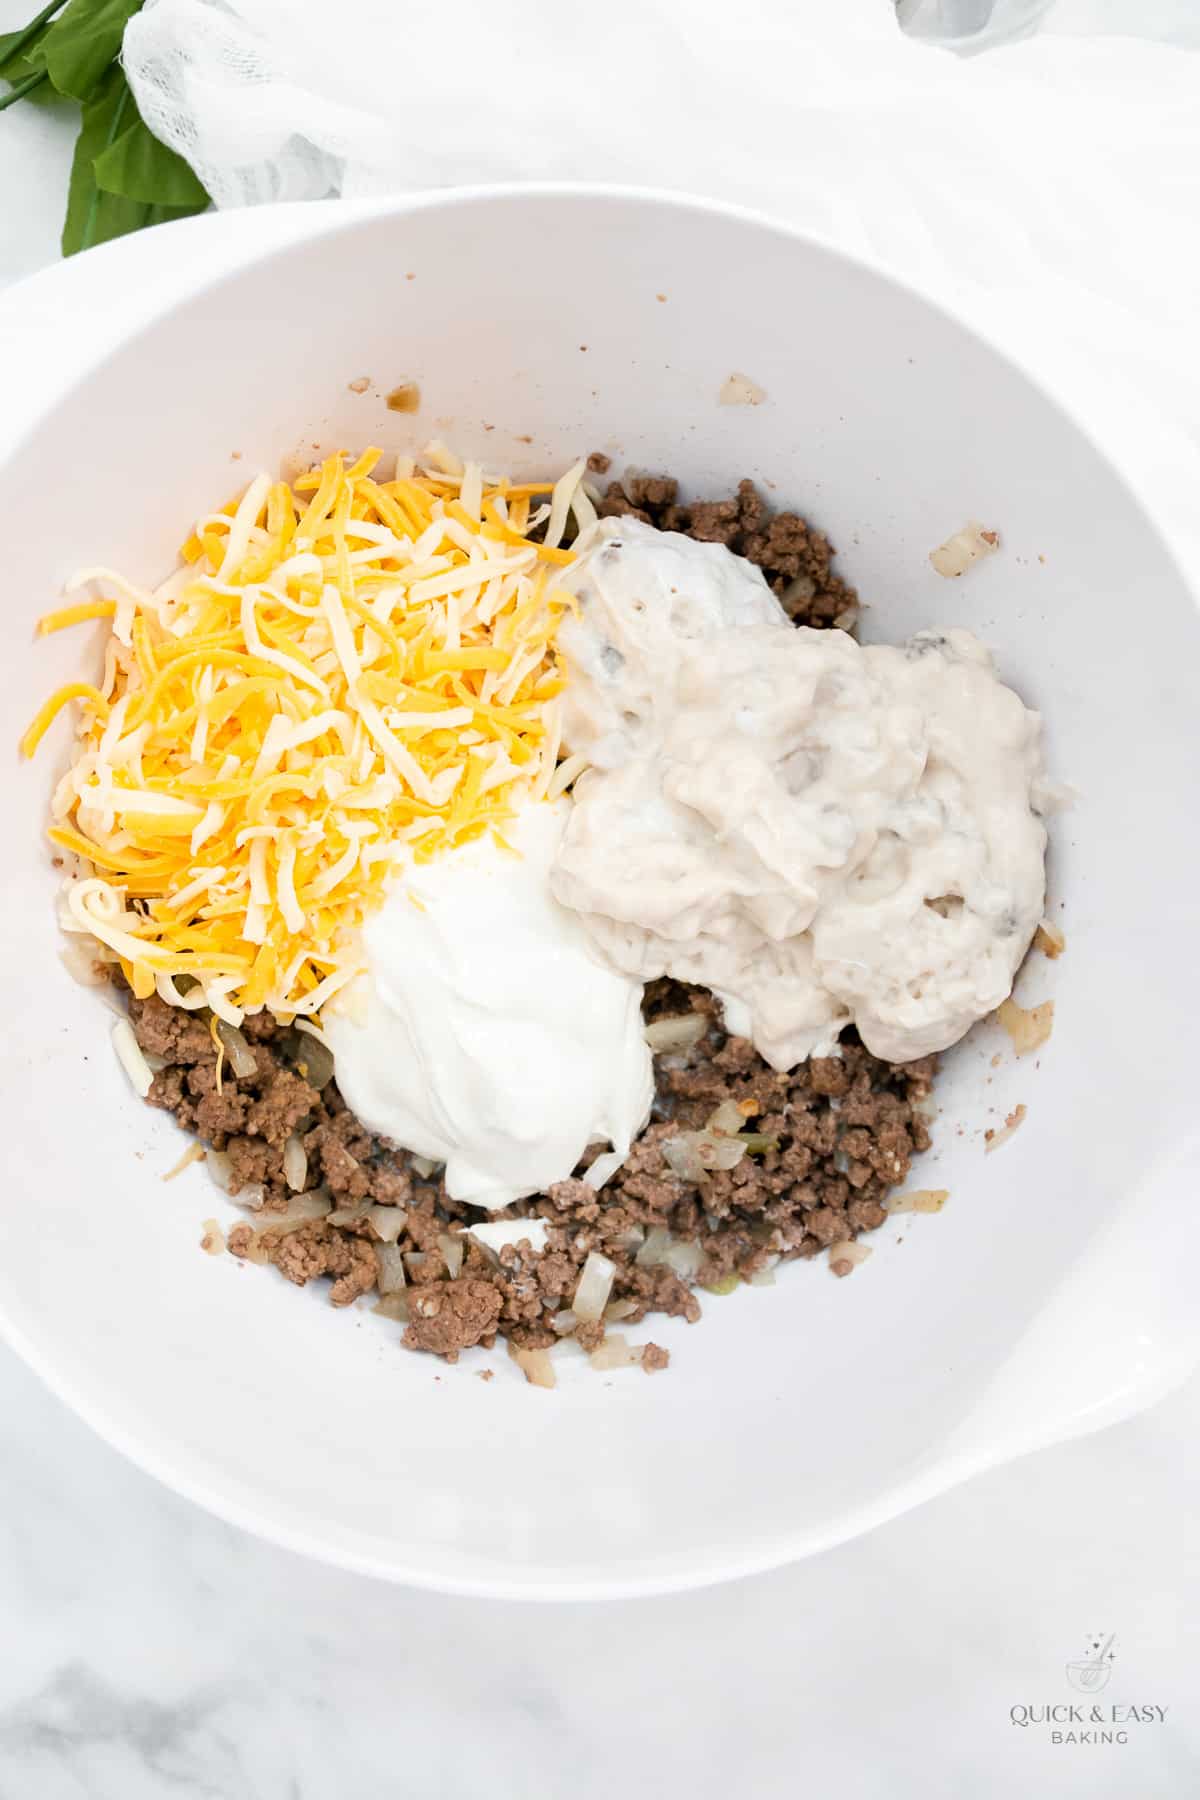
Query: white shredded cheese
{"type": "Point", "coordinates": [131, 1059]}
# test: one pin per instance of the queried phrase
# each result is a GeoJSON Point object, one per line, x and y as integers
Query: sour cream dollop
{"type": "Point", "coordinates": [820, 833]}
{"type": "Point", "coordinates": [487, 1033]}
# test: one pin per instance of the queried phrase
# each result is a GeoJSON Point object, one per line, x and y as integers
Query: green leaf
{"type": "Point", "coordinates": [122, 178]}
{"type": "Point", "coordinates": [83, 41]}
{"type": "Point", "coordinates": [93, 217]}
{"type": "Point", "coordinates": [21, 58]}
{"type": "Point", "coordinates": [89, 213]}
{"type": "Point", "coordinates": [19, 50]}
{"type": "Point", "coordinates": [43, 93]}
{"type": "Point", "coordinates": [15, 63]}
{"type": "Point", "coordinates": [138, 167]}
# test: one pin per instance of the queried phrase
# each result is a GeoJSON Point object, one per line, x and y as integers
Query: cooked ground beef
{"type": "Point", "coordinates": [842, 1130]}
{"type": "Point", "coordinates": [795, 558]}
{"type": "Point", "coordinates": [449, 1316]}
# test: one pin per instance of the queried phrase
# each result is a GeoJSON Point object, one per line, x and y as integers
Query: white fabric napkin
{"type": "Point", "coordinates": [1047, 190]}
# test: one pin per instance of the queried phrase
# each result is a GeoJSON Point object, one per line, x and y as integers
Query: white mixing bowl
{"type": "Point", "coordinates": [1052, 1295]}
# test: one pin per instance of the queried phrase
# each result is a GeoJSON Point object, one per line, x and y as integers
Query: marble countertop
{"type": "Point", "coordinates": [147, 1650]}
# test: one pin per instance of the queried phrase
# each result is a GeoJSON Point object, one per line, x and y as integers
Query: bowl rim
{"type": "Point", "coordinates": [484, 1576]}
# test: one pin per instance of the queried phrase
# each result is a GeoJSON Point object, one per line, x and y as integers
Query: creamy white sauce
{"type": "Point", "coordinates": [646, 597]}
{"type": "Point", "coordinates": [487, 1034]}
{"type": "Point", "coordinates": [819, 832]}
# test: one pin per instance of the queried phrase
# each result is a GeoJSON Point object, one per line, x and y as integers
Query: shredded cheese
{"type": "Point", "coordinates": [345, 675]}
{"type": "Point", "coordinates": [129, 1054]}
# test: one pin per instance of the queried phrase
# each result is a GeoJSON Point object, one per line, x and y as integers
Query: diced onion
{"type": "Point", "coordinates": [390, 1261]}
{"type": "Point", "coordinates": [921, 1200]}
{"type": "Point", "coordinates": [301, 1209]}
{"type": "Point", "coordinates": [615, 1352]}
{"type": "Point", "coordinates": [535, 1365]}
{"type": "Point", "coordinates": [800, 589]}
{"type": "Point", "coordinates": [564, 1322]}
{"type": "Point", "coordinates": [295, 1163]}
{"type": "Point", "coordinates": [82, 963]}
{"type": "Point", "coordinates": [654, 1249]}
{"type": "Point", "coordinates": [422, 1166]}
{"type": "Point", "coordinates": [220, 1167]}
{"type": "Point", "coordinates": [764, 1277]}
{"type": "Point", "coordinates": [967, 546]}
{"type": "Point", "coordinates": [616, 1310]}
{"type": "Point", "coordinates": [682, 1157]}
{"type": "Point", "coordinates": [351, 1214]}
{"type": "Point", "coordinates": [251, 1195]}
{"type": "Point", "coordinates": [727, 1119]}
{"type": "Point", "coordinates": [694, 1154]}
{"type": "Point", "coordinates": [213, 1240]}
{"type": "Point", "coordinates": [595, 1286]}
{"type": "Point", "coordinates": [847, 1255]}
{"type": "Point", "coordinates": [315, 1059]}
{"type": "Point", "coordinates": [684, 1258]}
{"type": "Point", "coordinates": [393, 1306]}
{"type": "Point", "coordinates": [1027, 1026]}
{"type": "Point", "coordinates": [1047, 938]}
{"type": "Point", "coordinates": [241, 1056]}
{"type": "Point", "coordinates": [716, 1151]}
{"type": "Point", "coordinates": [739, 390]}
{"type": "Point", "coordinates": [387, 1222]}
{"type": "Point", "coordinates": [131, 1059]}
{"type": "Point", "coordinates": [451, 1248]}
{"type": "Point", "coordinates": [678, 1033]}
{"type": "Point", "coordinates": [605, 1167]}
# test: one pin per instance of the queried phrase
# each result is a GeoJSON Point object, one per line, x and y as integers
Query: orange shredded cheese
{"type": "Point", "coordinates": [345, 675]}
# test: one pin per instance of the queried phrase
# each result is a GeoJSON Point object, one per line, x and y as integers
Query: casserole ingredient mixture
{"type": "Point", "coordinates": [535, 925]}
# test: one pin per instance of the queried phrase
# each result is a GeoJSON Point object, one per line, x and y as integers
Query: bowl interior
{"type": "Point", "coordinates": [792, 1413]}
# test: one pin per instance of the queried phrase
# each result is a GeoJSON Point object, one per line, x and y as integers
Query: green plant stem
{"type": "Point", "coordinates": [111, 136]}
{"type": "Point", "coordinates": [22, 88]}
{"type": "Point", "coordinates": [34, 26]}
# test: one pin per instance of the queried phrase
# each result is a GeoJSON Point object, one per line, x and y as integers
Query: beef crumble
{"type": "Point", "coordinates": [795, 559]}
{"type": "Point", "coordinates": [837, 1134]}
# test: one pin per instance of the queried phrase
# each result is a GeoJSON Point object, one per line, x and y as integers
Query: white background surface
{"type": "Point", "coordinates": [146, 1650]}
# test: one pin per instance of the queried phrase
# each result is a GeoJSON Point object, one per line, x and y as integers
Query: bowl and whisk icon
{"type": "Point", "coordinates": [1090, 1673]}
